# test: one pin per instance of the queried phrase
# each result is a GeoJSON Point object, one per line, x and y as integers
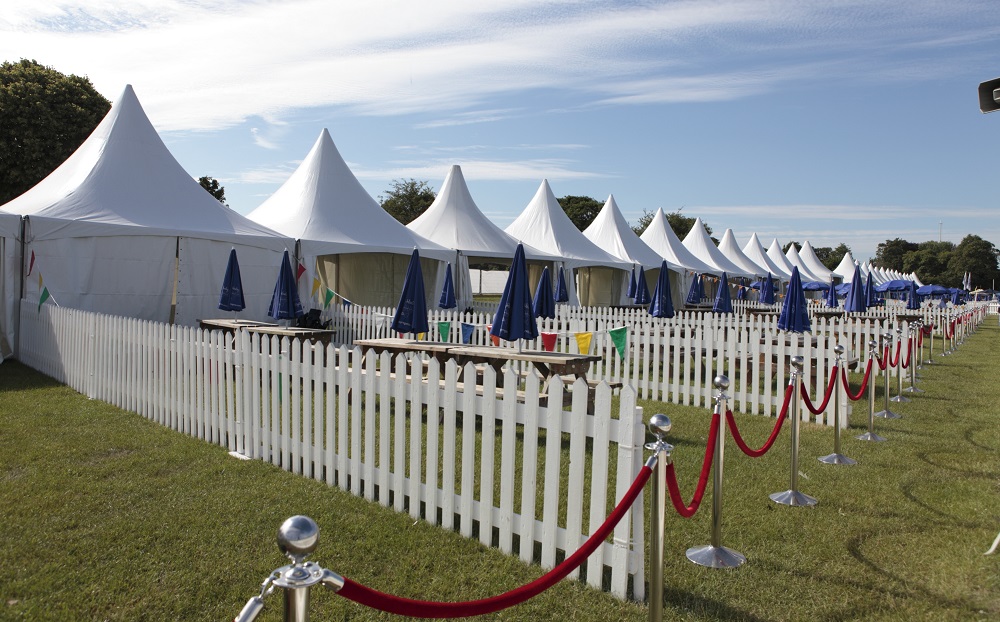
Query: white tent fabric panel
{"type": "Point", "coordinates": [702, 247]}
{"type": "Point", "coordinates": [660, 237]}
{"type": "Point", "coordinates": [202, 268]}
{"type": "Point", "coordinates": [755, 251]}
{"type": "Point", "coordinates": [132, 276]}
{"type": "Point", "coordinates": [808, 256]}
{"type": "Point", "coordinates": [599, 286]}
{"type": "Point", "coordinates": [731, 250]}
{"type": "Point", "coordinates": [610, 232]}
{"type": "Point", "coordinates": [10, 283]}
{"type": "Point", "coordinates": [778, 257]}
{"type": "Point", "coordinates": [544, 225]}
{"type": "Point", "coordinates": [846, 267]}
{"type": "Point", "coordinates": [376, 276]}
{"type": "Point", "coordinates": [804, 272]}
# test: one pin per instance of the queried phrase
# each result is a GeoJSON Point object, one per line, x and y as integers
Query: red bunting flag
{"type": "Point", "coordinates": [549, 341]}
{"type": "Point", "coordinates": [31, 265]}
{"type": "Point", "coordinates": [299, 271]}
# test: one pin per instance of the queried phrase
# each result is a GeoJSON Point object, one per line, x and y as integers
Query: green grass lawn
{"type": "Point", "coordinates": [107, 516]}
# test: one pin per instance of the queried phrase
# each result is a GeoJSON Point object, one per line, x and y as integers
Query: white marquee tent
{"type": "Point", "coordinates": [702, 247]}
{"type": "Point", "coordinates": [755, 251]}
{"type": "Point", "coordinates": [731, 250]}
{"type": "Point", "coordinates": [344, 237]}
{"type": "Point", "coordinates": [544, 225]}
{"type": "Point", "coordinates": [805, 273]}
{"type": "Point", "coordinates": [454, 221]}
{"type": "Point", "coordinates": [808, 256]}
{"type": "Point", "coordinates": [660, 237]}
{"type": "Point", "coordinates": [846, 267]}
{"type": "Point", "coordinates": [120, 227]}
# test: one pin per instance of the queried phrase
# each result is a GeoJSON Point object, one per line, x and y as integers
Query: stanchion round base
{"type": "Point", "coordinates": [912, 390]}
{"type": "Point", "coordinates": [837, 459]}
{"type": "Point", "coordinates": [871, 436]}
{"type": "Point", "coordinates": [900, 399]}
{"type": "Point", "coordinates": [929, 362]}
{"type": "Point", "coordinates": [793, 498]}
{"type": "Point", "coordinates": [888, 414]}
{"type": "Point", "coordinates": [715, 556]}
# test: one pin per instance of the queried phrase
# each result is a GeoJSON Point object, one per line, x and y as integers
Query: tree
{"type": "Point", "coordinates": [835, 256]}
{"type": "Point", "coordinates": [784, 249]}
{"type": "Point", "coordinates": [46, 115]}
{"type": "Point", "coordinates": [889, 254]}
{"type": "Point", "coordinates": [643, 222]}
{"type": "Point", "coordinates": [214, 188]}
{"type": "Point", "coordinates": [929, 261]}
{"type": "Point", "coordinates": [407, 199]}
{"type": "Point", "coordinates": [581, 210]}
{"type": "Point", "coordinates": [682, 224]}
{"type": "Point", "coordinates": [977, 257]}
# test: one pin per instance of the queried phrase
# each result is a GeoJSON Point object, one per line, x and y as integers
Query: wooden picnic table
{"type": "Point", "coordinates": [312, 335]}
{"type": "Point", "coordinates": [230, 325]}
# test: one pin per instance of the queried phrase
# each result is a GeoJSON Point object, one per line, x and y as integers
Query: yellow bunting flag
{"type": "Point", "coordinates": [316, 286]}
{"type": "Point", "coordinates": [44, 295]}
{"type": "Point", "coordinates": [583, 342]}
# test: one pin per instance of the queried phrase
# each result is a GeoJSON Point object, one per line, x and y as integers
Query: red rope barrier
{"type": "Point", "coordinates": [883, 360]}
{"type": "Point", "coordinates": [826, 396]}
{"type": "Point", "coordinates": [899, 350]}
{"type": "Point", "coordinates": [909, 351]}
{"type": "Point", "coordinates": [864, 383]}
{"type": "Point", "coordinates": [757, 453]}
{"type": "Point", "coordinates": [390, 603]}
{"type": "Point", "coordinates": [687, 511]}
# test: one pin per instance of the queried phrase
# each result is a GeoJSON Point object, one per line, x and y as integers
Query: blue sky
{"type": "Point", "coordinates": [833, 121]}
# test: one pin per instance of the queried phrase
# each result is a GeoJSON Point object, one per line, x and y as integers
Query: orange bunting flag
{"type": "Point", "coordinates": [493, 338]}
{"type": "Point", "coordinates": [549, 341]}
{"type": "Point", "coordinates": [583, 342]}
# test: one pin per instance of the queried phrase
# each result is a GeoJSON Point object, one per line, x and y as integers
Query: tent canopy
{"type": "Point", "coordinates": [702, 247]}
{"type": "Point", "coordinates": [808, 256]}
{"type": "Point", "coordinates": [660, 237]}
{"type": "Point", "coordinates": [612, 233]}
{"type": "Point", "coordinates": [755, 251]}
{"type": "Point", "coordinates": [731, 250]}
{"type": "Point", "coordinates": [846, 267]}
{"type": "Point", "coordinates": [804, 272]}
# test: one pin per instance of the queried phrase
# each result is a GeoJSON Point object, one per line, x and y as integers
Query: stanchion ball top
{"type": "Point", "coordinates": [797, 362]}
{"type": "Point", "coordinates": [838, 349]}
{"type": "Point", "coordinates": [298, 536]}
{"type": "Point", "coordinates": [659, 425]}
{"type": "Point", "coordinates": [873, 343]}
{"type": "Point", "coordinates": [721, 382]}
{"type": "Point", "coordinates": [887, 335]}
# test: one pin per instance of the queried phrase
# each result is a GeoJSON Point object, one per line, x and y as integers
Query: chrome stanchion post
{"type": "Point", "coordinates": [715, 555]}
{"type": "Point", "coordinates": [659, 425]}
{"type": "Point", "coordinates": [914, 331]}
{"type": "Point", "coordinates": [886, 413]}
{"type": "Point", "coordinates": [297, 538]}
{"type": "Point", "coordinates": [900, 398]}
{"type": "Point", "coordinates": [836, 457]}
{"type": "Point", "coordinates": [792, 496]}
{"type": "Point", "coordinates": [930, 339]}
{"type": "Point", "coordinates": [870, 434]}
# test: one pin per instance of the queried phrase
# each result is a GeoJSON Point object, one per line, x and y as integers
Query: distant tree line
{"type": "Point", "coordinates": [943, 263]}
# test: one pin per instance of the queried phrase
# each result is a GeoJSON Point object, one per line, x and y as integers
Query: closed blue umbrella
{"type": "Point", "coordinates": [831, 297]}
{"type": "Point", "coordinates": [662, 304]}
{"type": "Point", "coordinates": [696, 292]}
{"type": "Point", "coordinates": [794, 316]}
{"type": "Point", "coordinates": [955, 297]}
{"type": "Point", "coordinates": [913, 298]}
{"type": "Point", "coordinates": [285, 304]}
{"type": "Point", "coordinates": [514, 317]}
{"type": "Point", "coordinates": [562, 293]}
{"type": "Point", "coordinates": [411, 310]}
{"type": "Point", "coordinates": [723, 301]}
{"type": "Point", "coordinates": [447, 300]}
{"type": "Point", "coordinates": [544, 304]}
{"type": "Point", "coordinates": [767, 291]}
{"type": "Point", "coordinates": [641, 289]}
{"type": "Point", "coordinates": [231, 298]}
{"type": "Point", "coordinates": [855, 302]}
{"type": "Point", "coordinates": [741, 294]}
{"type": "Point", "coordinates": [631, 285]}
{"type": "Point", "coordinates": [870, 291]}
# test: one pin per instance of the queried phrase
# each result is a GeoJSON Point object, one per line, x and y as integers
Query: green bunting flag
{"type": "Point", "coordinates": [444, 331]}
{"type": "Point", "coordinates": [45, 293]}
{"type": "Point", "coordinates": [618, 337]}
{"type": "Point", "coordinates": [327, 297]}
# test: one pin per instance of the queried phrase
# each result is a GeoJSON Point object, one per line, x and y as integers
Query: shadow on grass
{"type": "Point", "coordinates": [968, 437]}
{"type": "Point", "coordinates": [924, 456]}
{"type": "Point", "coordinates": [704, 608]}
{"type": "Point", "coordinates": [952, 520]}
{"type": "Point", "coordinates": [17, 377]}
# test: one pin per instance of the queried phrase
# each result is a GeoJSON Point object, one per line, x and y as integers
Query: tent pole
{"type": "Point", "coordinates": [177, 275]}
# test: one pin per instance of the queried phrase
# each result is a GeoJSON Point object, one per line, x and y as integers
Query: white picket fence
{"type": "Point", "coordinates": [376, 429]}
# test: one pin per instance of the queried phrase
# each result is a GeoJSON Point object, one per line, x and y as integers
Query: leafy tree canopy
{"type": "Point", "coordinates": [581, 210]}
{"type": "Point", "coordinates": [214, 188]}
{"type": "Point", "coordinates": [831, 257]}
{"type": "Point", "coordinates": [407, 199]}
{"type": "Point", "coordinates": [784, 249]}
{"type": "Point", "coordinates": [944, 263]}
{"type": "Point", "coordinates": [44, 116]}
{"type": "Point", "coordinates": [889, 254]}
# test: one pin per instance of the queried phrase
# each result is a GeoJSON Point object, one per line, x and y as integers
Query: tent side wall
{"type": "Point", "coordinates": [10, 271]}
{"type": "Point", "coordinates": [202, 267]}
{"type": "Point", "coordinates": [372, 279]}
{"type": "Point", "coordinates": [598, 286]}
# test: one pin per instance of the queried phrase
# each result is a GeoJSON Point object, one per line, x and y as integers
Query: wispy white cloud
{"type": "Point", "coordinates": [484, 170]}
{"type": "Point", "coordinates": [214, 63]}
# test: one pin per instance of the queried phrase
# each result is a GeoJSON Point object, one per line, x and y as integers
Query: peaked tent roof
{"type": "Point", "coordinates": [454, 221]}
{"type": "Point", "coordinates": [660, 237]}
{"type": "Point", "coordinates": [702, 247]}
{"type": "Point", "coordinates": [732, 252]}
{"type": "Point", "coordinates": [755, 251]}
{"type": "Point", "coordinates": [124, 176]}
{"type": "Point", "coordinates": [10, 225]}
{"type": "Point", "coordinates": [611, 232]}
{"type": "Point", "coordinates": [846, 267]}
{"type": "Point", "coordinates": [323, 205]}
{"type": "Point", "coordinates": [807, 275]}
{"type": "Point", "coordinates": [808, 256]}
{"type": "Point", "coordinates": [544, 225]}
{"type": "Point", "coordinates": [778, 257]}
